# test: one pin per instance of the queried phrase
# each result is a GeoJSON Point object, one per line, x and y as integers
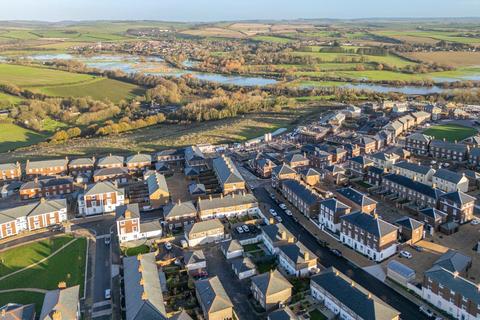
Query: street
{"type": "Point", "coordinates": [407, 308]}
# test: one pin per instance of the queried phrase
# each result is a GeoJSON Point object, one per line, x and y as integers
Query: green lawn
{"type": "Point", "coordinates": [20, 257]}
{"type": "Point", "coordinates": [26, 76]}
{"type": "Point", "coordinates": [23, 297]}
{"type": "Point", "coordinates": [265, 266]}
{"type": "Point", "coordinates": [13, 136]}
{"type": "Point", "coordinates": [135, 251]}
{"type": "Point", "coordinates": [317, 315]}
{"type": "Point", "coordinates": [98, 89]}
{"type": "Point", "coordinates": [450, 132]}
{"type": "Point", "coordinates": [68, 265]}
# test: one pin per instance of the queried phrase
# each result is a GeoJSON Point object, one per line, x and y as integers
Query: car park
{"type": "Point", "coordinates": [406, 254]}
{"type": "Point", "coordinates": [239, 229]}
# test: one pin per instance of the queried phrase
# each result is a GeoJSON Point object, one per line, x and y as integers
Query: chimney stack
{"type": "Point", "coordinates": [57, 315]}
{"type": "Point", "coordinates": [62, 285]}
{"type": "Point", "coordinates": [128, 214]}
{"type": "Point", "coordinates": [283, 235]}
{"type": "Point", "coordinates": [306, 256]}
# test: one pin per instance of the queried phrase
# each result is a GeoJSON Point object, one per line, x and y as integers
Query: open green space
{"type": "Point", "coordinates": [271, 39]}
{"type": "Point", "coordinates": [98, 89]}
{"type": "Point", "coordinates": [7, 100]}
{"type": "Point", "coordinates": [13, 136]}
{"type": "Point", "coordinates": [451, 132]}
{"type": "Point", "coordinates": [23, 297]}
{"type": "Point", "coordinates": [67, 265]}
{"type": "Point", "coordinates": [22, 256]}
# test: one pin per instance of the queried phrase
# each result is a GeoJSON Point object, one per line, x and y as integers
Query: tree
{"type": "Point", "coordinates": [60, 136]}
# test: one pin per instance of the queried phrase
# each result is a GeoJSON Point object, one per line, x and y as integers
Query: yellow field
{"type": "Point", "coordinates": [454, 59]}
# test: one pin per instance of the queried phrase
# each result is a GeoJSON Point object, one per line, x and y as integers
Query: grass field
{"type": "Point", "coordinates": [450, 132]}
{"type": "Point", "coordinates": [13, 136]}
{"type": "Point", "coordinates": [450, 36]}
{"type": "Point", "coordinates": [7, 100]}
{"type": "Point", "coordinates": [68, 265]}
{"type": "Point", "coordinates": [25, 255]}
{"type": "Point", "coordinates": [99, 89]}
{"type": "Point", "coordinates": [454, 59]}
{"type": "Point", "coordinates": [271, 39]}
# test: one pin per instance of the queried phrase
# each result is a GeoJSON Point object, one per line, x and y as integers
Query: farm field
{"type": "Point", "coordinates": [271, 39]}
{"type": "Point", "coordinates": [338, 57]}
{"type": "Point", "coordinates": [13, 136]}
{"type": "Point", "coordinates": [7, 100]}
{"type": "Point", "coordinates": [98, 89]}
{"type": "Point", "coordinates": [451, 36]}
{"type": "Point", "coordinates": [455, 59]}
{"type": "Point", "coordinates": [450, 132]}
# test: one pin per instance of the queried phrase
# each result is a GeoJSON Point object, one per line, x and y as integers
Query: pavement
{"type": "Point", "coordinates": [409, 310]}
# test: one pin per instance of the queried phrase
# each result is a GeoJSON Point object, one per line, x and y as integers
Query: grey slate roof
{"type": "Point", "coordinates": [334, 204]}
{"type": "Point", "coordinates": [116, 171]}
{"type": "Point", "coordinates": [65, 301]}
{"type": "Point", "coordinates": [213, 296]}
{"type": "Point", "coordinates": [192, 257]}
{"type": "Point", "coordinates": [369, 223]}
{"type": "Point", "coordinates": [242, 264]}
{"type": "Point", "coordinates": [409, 223]}
{"type": "Point", "coordinates": [413, 167]}
{"type": "Point", "coordinates": [183, 315]}
{"type": "Point", "coordinates": [137, 308]}
{"type": "Point", "coordinates": [47, 164]}
{"type": "Point", "coordinates": [295, 157]}
{"type": "Point", "coordinates": [32, 209]}
{"type": "Point", "coordinates": [455, 283]}
{"type": "Point", "coordinates": [110, 160]}
{"type": "Point", "coordinates": [179, 210]}
{"type": "Point", "coordinates": [458, 197]}
{"type": "Point", "coordinates": [156, 182]}
{"type": "Point", "coordinates": [103, 187]}
{"type": "Point", "coordinates": [273, 232]}
{"type": "Point", "coordinates": [366, 305]}
{"type": "Point", "coordinates": [401, 269]}
{"type": "Point", "coordinates": [82, 162]}
{"type": "Point", "coordinates": [364, 161]}
{"type": "Point", "coordinates": [133, 208]}
{"type": "Point", "coordinates": [226, 201]}
{"type": "Point", "coordinates": [433, 213]}
{"type": "Point", "coordinates": [138, 158]}
{"type": "Point", "coordinates": [295, 252]}
{"type": "Point", "coordinates": [8, 166]}
{"type": "Point", "coordinates": [420, 137]}
{"type": "Point", "coordinates": [356, 196]}
{"type": "Point", "coordinates": [449, 146]}
{"type": "Point", "coordinates": [454, 261]}
{"type": "Point", "coordinates": [45, 183]}
{"type": "Point", "coordinates": [13, 311]}
{"type": "Point", "coordinates": [203, 226]}
{"type": "Point", "coordinates": [270, 283]}
{"type": "Point", "coordinates": [231, 246]}
{"type": "Point", "coordinates": [193, 153]}
{"type": "Point", "coordinates": [226, 170]}
{"type": "Point", "coordinates": [307, 196]}
{"type": "Point", "coordinates": [284, 313]}
{"type": "Point", "coordinates": [414, 185]}
{"type": "Point", "coordinates": [283, 169]}
{"type": "Point", "coordinates": [448, 175]}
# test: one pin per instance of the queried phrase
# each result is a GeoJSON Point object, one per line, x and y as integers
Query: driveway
{"type": "Point", "coordinates": [237, 290]}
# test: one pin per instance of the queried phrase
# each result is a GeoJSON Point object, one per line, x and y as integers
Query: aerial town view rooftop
{"type": "Point", "coordinates": [220, 160]}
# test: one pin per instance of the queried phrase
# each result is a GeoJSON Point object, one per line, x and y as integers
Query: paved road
{"type": "Point", "coordinates": [408, 309]}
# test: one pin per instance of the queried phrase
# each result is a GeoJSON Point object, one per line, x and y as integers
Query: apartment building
{"type": "Point", "coordinates": [204, 232]}
{"type": "Point", "coordinates": [418, 144]}
{"type": "Point", "coordinates": [348, 300]}
{"type": "Point", "coordinates": [33, 216]}
{"type": "Point", "coordinates": [231, 205]}
{"type": "Point", "coordinates": [100, 198]}
{"type": "Point", "coordinates": [416, 172]}
{"type": "Point", "coordinates": [356, 200]}
{"type": "Point", "coordinates": [46, 167]}
{"type": "Point", "coordinates": [301, 197]}
{"type": "Point", "coordinates": [330, 212]}
{"type": "Point", "coordinates": [228, 176]}
{"type": "Point", "coordinates": [369, 235]}
{"type": "Point", "coordinates": [450, 181]}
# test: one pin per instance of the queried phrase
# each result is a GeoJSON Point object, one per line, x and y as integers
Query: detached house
{"type": "Point", "coordinates": [432, 218]}
{"type": "Point", "coordinates": [118, 175]}
{"type": "Point", "coordinates": [34, 216]}
{"type": "Point", "coordinates": [10, 171]}
{"type": "Point", "coordinates": [369, 235]}
{"type": "Point", "coordinates": [410, 229]}
{"type": "Point", "coordinates": [214, 300]}
{"type": "Point", "coordinates": [348, 300]}
{"type": "Point", "coordinates": [297, 160]}
{"type": "Point", "coordinates": [271, 289]}
{"type": "Point", "coordinates": [300, 196]}
{"type": "Point", "coordinates": [297, 260]}
{"type": "Point", "coordinates": [99, 198]}
{"type": "Point", "coordinates": [263, 166]}
{"type": "Point", "coordinates": [450, 181]}
{"type": "Point", "coordinates": [46, 167]}
{"type": "Point", "coordinates": [228, 175]}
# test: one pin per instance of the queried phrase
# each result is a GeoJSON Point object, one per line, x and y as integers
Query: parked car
{"type": "Point", "coordinates": [323, 243]}
{"type": "Point", "coordinates": [336, 252]}
{"type": "Point", "coordinates": [279, 219]}
{"type": "Point", "coordinates": [108, 294]}
{"type": "Point", "coordinates": [475, 222]}
{"type": "Point", "coordinates": [426, 311]}
{"type": "Point", "coordinates": [272, 196]}
{"type": "Point", "coordinates": [239, 229]}
{"type": "Point", "coordinates": [107, 240]}
{"type": "Point", "coordinates": [406, 254]}
{"type": "Point", "coordinates": [288, 212]}
{"type": "Point", "coordinates": [273, 212]}
{"type": "Point", "coordinates": [245, 228]}
{"type": "Point", "coordinates": [283, 206]}
{"type": "Point", "coordinates": [417, 248]}
{"type": "Point", "coordinates": [168, 246]}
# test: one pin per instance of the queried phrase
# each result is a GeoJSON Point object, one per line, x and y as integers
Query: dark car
{"type": "Point", "coordinates": [322, 243]}
{"type": "Point", "coordinates": [336, 252]}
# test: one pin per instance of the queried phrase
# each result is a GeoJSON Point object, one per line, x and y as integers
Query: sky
{"type": "Point", "coordinates": [221, 10]}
